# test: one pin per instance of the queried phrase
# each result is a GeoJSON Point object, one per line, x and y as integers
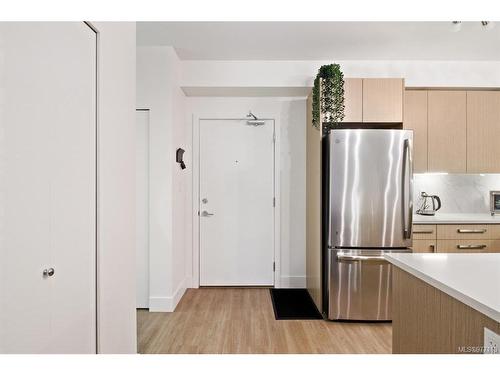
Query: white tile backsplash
{"type": "Point", "coordinates": [459, 193]}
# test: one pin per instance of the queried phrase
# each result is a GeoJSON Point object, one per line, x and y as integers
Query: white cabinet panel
{"type": "Point", "coordinates": [47, 187]}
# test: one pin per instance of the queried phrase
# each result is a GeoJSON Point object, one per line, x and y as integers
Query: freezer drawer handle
{"type": "Point", "coordinates": [471, 246]}
{"type": "Point", "coordinates": [471, 230]}
{"type": "Point", "coordinates": [360, 258]}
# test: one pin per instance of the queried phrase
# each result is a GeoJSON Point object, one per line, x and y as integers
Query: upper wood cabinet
{"type": "Point", "coordinates": [483, 131]}
{"type": "Point", "coordinates": [353, 100]}
{"type": "Point", "coordinates": [373, 100]}
{"type": "Point", "coordinates": [383, 99]}
{"type": "Point", "coordinates": [415, 118]}
{"type": "Point", "coordinates": [447, 131]}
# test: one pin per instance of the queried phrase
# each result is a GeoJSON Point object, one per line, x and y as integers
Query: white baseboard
{"type": "Point", "coordinates": [167, 304]}
{"type": "Point", "coordinates": [160, 304]}
{"type": "Point", "coordinates": [181, 289]}
{"type": "Point", "coordinates": [293, 281]}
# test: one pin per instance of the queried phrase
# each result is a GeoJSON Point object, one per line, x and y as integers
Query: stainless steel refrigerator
{"type": "Point", "coordinates": [368, 188]}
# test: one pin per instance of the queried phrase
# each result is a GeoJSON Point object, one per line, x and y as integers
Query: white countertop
{"type": "Point", "coordinates": [439, 218]}
{"type": "Point", "coordinates": [473, 279]}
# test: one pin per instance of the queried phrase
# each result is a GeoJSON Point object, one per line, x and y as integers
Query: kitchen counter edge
{"type": "Point", "coordinates": [456, 219]}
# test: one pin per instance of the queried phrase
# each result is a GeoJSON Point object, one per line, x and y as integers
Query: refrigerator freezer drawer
{"type": "Point", "coordinates": [359, 285]}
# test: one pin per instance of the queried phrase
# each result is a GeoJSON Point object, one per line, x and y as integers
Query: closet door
{"type": "Point", "coordinates": [47, 188]}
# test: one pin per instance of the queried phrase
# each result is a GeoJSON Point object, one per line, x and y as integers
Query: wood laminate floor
{"type": "Point", "coordinates": [237, 320]}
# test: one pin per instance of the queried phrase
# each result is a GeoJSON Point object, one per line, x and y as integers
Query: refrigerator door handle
{"type": "Point", "coordinates": [407, 185]}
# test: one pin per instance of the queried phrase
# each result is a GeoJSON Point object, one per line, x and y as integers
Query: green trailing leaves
{"type": "Point", "coordinates": [330, 102]}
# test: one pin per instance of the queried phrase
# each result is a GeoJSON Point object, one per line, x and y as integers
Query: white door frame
{"type": "Point", "coordinates": [196, 196]}
{"type": "Point", "coordinates": [148, 203]}
{"type": "Point", "coordinates": [97, 183]}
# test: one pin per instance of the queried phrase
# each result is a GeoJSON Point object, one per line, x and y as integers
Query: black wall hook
{"type": "Point", "coordinates": [179, 155]}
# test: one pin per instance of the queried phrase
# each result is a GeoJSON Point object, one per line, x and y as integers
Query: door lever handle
{"type": "Point", "coordinates": [206, 213]}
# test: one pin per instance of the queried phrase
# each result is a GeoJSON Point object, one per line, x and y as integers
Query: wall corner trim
{"type": "Point", "coordinates": [168, 304]}
{"type": "Point", "coordinates": [293, 282]}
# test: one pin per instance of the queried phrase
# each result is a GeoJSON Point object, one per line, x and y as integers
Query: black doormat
{"type": "Point", "coordinates": [293, 304]}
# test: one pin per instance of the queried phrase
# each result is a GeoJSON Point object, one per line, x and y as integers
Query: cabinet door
{"type": "Point", "coordinates": [424, 246]}
{"type": "Point", "coordinates": [447, 131]}
{"type": "Point", "coordinates": [48, 187]}
{"type": "Point", "coordinates": [383, 99]}
{"type": "Point", "coordinates": [424, 232]}
{"type": "Point", "coordinates": [353, 100]}
{"type": "Point", "coordinates": [483, 132]}
{"type": "Point", "coordinates": [415, 118]}
{"type": "Point", "coordinates": [463, 232]}
{"type": "Point", "coordinates": [465, 246]}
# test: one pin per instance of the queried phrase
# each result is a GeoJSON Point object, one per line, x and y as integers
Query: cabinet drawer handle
{"type": "Point", "coordinates": [423, 231]}
{"type": "Point", "coordinates": [471, 230]}
{"type": "Point", "coordinates": [471, 246]}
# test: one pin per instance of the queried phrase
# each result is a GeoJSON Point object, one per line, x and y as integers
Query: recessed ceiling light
{"type": "Point", "coordinates": [456, 26]}
{"type": "Point", "coordinates": [487, 24]}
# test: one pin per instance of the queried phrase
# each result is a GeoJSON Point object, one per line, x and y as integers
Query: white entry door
{"type": "Point", "coordinates": [236, 203]}
{"type": "Point", "coordinates": [47, 188]}
{"type": "Point", "coordinates": [142, 207]}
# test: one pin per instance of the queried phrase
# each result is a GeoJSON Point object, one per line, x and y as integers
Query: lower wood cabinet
{"type": "Point", "coordinates": [424, 232]}
{"type": "Point", "coordinates": [465, 246]}
{"type": "Point", "coordinates": [456, 238]}
{"type": "Point", "coordinates": [424, 246]}
{"type": "Point", "coordinates": [463, 232]}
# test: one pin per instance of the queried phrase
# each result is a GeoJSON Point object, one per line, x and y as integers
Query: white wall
{"type": "Point", "coordinates": [291, 117]}
{"type": "Point", "coordinates": [302, 73]}
{"type": "Point", "coordinates": [116, 220]}
{"type": "Point", "coordinates": [292, 75]}
{"type": "Point", "coordinates": [160, 74]}
{"type": "Point", "coordinates": [158, 89]}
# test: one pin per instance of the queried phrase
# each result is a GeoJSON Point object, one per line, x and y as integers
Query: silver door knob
{"type": "Point", "coordinates": [48, 272]}
{"type": "Point", "coordinates": [206, 213]}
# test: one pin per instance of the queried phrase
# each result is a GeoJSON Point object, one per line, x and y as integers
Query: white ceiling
{"type": "Point", "coordinates": [323, 40]}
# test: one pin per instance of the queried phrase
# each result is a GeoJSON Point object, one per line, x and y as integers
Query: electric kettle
{"type": "Point", "coordinates": [429, 204]}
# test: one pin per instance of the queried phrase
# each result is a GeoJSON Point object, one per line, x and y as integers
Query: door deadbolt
{"type": "Point", "coordinates": [48, 272]}
{"type": "Point", "coordinates": [204, 200]}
